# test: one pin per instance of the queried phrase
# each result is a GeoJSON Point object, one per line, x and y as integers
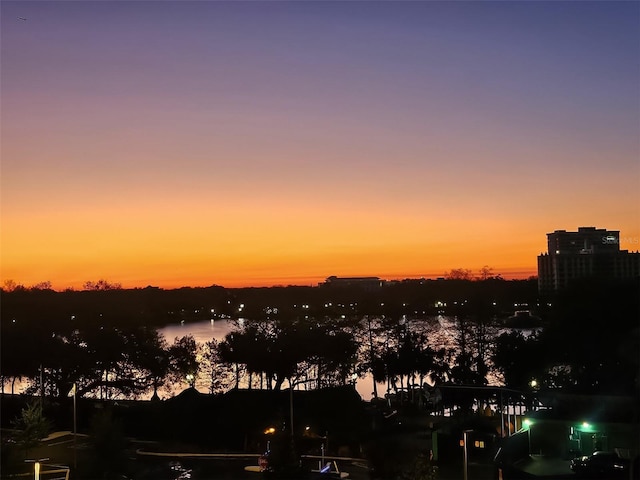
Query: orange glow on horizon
{"type": "Point", "coordinates": [276, 244]}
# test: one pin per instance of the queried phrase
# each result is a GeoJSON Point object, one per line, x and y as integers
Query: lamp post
{"type": "Point", "coordinates": [75, 423]}
{"type": "Point", "coordinates": [291, 409]}
{"type": "Point", "coordinates": [371, 358]}
{"type": "Point", "coordinates": [75, 427]}
{"type": "Point", "coordinates": [465, 453]}
{"type": "Point", "coordinates": [36, 467]}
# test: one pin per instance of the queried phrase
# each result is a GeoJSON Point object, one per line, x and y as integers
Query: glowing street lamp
{"type": "Point", "coordinates": [36, 467]}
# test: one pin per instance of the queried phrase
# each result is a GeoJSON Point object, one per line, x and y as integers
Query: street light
{"type": "Point", "coordinates": [75, 429]}
{"type": "Point", "coordinates": [36, 467]}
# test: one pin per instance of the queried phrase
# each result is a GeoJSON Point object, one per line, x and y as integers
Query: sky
{"type": "Point", "coordinates": [278, 143]}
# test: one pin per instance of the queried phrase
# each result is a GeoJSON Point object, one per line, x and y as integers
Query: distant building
{"type": "Point", "coordinates": [588, 253]}
{"type": "Point", "coordinates": [366, 283]}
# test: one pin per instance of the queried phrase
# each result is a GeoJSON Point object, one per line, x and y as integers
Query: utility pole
{"type": "Point", "coordinates": [291, 408]}
{"type": "Point", "coordinates": [41, 389]}
{"type": "Point", "coordinates": [371, 358]}
{"type": "Point", "coordinates": [465, 453]}
{"type": "Point", "coordinates": [75, 428]}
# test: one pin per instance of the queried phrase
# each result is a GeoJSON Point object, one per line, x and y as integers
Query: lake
{"type": "Point", "coordinates": [442, 332]}
{"type": "Point", "coordinates": [207, 330]}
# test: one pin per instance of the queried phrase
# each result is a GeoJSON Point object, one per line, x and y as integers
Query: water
{"type": "Point", "coordinates": [442, 332]}
{"type": "Point", "coordinates": [203, 331]}
{"type": "Point", "coordinates": [208, 330]}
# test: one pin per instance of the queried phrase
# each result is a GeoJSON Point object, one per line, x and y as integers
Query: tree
{"type": "Point", "coordinates": [46, 285]}
{"type": "Point", "coordinates": [332, 354]}
{"type": "Point", "coordinates": [289, 350]}
{"type": "Point", "coordinates": [101, 285]}
{"type": "Point", "coordinates": [102, 361]}
{"type": "Point", "coordinates": [183, 360]}
{"type": "Point", "coordinates": [32, 426]}
{"type": "Point", "coordinates": [149, 358]}
{"type": "Point", "coordinates": [469, 367]}
{"type": "Point", "coordinates": [217, 372]}
{"type": "Point", "coordinates": [516, 357]}
{"type": "Point", "coordinates": [486, 273]}
{"type": "Point", "coordinates": [12, 286]}
{"type": "Point", "coordinates": [459, 274]}
{"type": "Point", "coordinates": [20, 347]}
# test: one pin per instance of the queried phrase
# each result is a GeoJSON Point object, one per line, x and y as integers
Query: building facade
{"type": "Point", "coordinates": [588, 253]}
{"type": "Point", "coordinates": [365, 283]}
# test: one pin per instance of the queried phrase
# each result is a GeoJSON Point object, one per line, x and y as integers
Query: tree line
{"type": "Point", "coordinates": [589, 343]}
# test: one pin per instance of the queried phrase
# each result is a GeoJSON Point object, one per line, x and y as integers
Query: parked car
{"type": "Point", "coordinates": [604, 465]}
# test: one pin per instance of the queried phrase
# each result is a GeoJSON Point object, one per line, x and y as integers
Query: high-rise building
{"type": "Point", "coordinates": [588, 253]}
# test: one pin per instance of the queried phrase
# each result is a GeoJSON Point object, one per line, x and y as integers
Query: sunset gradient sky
{"type": "Point", "coordinates": [259, 143]}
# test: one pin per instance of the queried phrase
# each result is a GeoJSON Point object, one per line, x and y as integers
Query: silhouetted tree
{"type": "Point", "coordinates": [288, 349]}
{"type": "Point", "coordinates": [101, 285]}
{"type": "Point", "coordinates": [184, 365]}
{"type": "Point", "coordinates": [46, 285]}
{"type": "Point", "coordinates": [459, 274]}
{"type": "Point", "coordinates": [149, 358]}
{"type": "Point", "coordinates": [217, 372]}
{"type": "Point", "coordinates": [12, 286]}
{"type": "Point", "coordinates": [485, 273]}
{"type": "Point", "coordinates": [103, 362]}
{"type": "Point", "coordinates": [31, 426]}
{"type": "Point", "coordinates": [517, 359]}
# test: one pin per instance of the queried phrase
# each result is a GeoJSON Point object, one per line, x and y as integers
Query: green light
{"type": "Point", "coordinates": [527, 423]}
{"type": "Point", "coordinates": [586, 427]}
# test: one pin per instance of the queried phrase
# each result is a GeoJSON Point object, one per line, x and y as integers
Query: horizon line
{"type": "Point", "coordinates": [306, 281]}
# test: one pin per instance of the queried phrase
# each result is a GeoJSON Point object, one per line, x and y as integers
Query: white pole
{"type": "Point", "coordinates": [75, 429]}
{"type": "Point", "coordinates": [465, 438]}
{"type": "Point", "coordinates": [291, 408]}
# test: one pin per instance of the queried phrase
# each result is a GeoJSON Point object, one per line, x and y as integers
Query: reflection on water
{"type": "Point", "coordinates": [442, 332]}
{"type": "Point", "coordinates": [208, 330]}
{"type": "Point", "coordinates": [203, 331]}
